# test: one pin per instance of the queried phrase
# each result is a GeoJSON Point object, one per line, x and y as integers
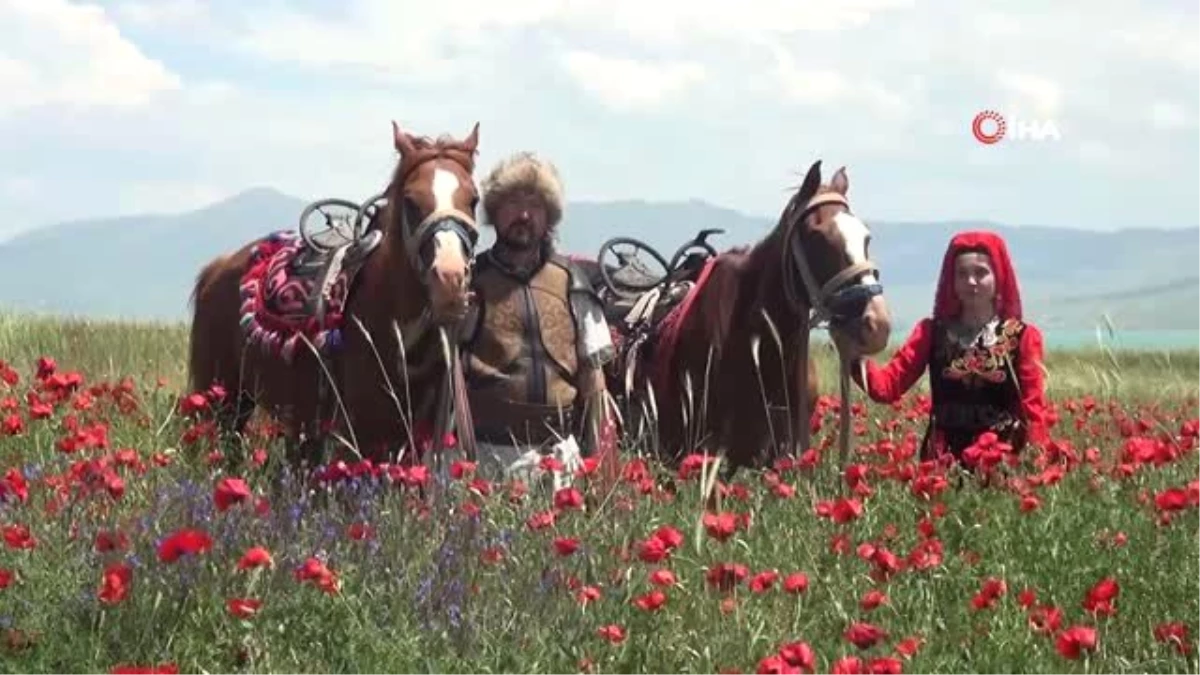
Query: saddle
{"type": "Point", "coordinates": [297, 284]}
{"type": "Point", "coordinates": [636, 320]}
{"type": "Point", "coordinates": [338, 253]}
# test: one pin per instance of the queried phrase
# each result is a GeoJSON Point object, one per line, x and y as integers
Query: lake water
{"type": "Point", "coordinates": [1060, 338]}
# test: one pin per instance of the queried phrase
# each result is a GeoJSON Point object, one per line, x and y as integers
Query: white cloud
{"type": "Point", "coordinates": [1162, 38]}
{"type": "Point", "coordinates": [1092, 152]}
{"type": "Point", "coordinates": [387, 39]}
{"type": "Point", "coordinates": [1170, 115]}
{"type": "Point", "coordinates": [20, 188]}
{"type": "Point", "coordinates": [675, 21]}
{"type": "Point", "coordinates": [826, 86]}
{"type": "Point", "coordinates": [161, 14]}
{"type": "Point", "coordinates": [628, 85]}
{"type": "Point", "coordinates": [299, 95]}
{"type": "Point", "coordinates": [428, 41]}
{"type": "Point", "coordinates": [1031, 95]}
{"type": "Point", "coordinates": [56, 52]}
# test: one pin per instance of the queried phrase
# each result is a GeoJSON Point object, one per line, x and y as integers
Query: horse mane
{"type": "Point", "coordinates": [444, 146]}
{"type": "Point", "coordinates": [747, 277]}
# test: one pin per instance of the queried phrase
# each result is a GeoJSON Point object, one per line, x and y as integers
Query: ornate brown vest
{"type": "Point", "coordinates": [521, 352]}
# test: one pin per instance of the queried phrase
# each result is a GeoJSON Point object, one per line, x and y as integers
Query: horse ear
{"type": "Point", "coordinates": [840, 182]}
{"type": "Point", "coordinates": [472, 141]}
{"type": "Point", "coordinates": [812, 181]}
{"type": "Point", "coordinates": [400, 140]}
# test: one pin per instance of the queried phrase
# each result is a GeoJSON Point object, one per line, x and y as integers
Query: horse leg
{"type": "Point", "coordinates": [215, 345]}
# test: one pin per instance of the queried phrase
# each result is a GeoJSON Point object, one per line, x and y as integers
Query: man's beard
{"type": "Point", "coordinates": [518, 237]}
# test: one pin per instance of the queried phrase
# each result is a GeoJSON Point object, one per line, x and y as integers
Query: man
{"type": "Point", "coordinates": [535, 340]}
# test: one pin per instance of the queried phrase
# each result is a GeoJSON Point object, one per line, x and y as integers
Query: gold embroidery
{"type": "Point", "coordinates": [977, 365]}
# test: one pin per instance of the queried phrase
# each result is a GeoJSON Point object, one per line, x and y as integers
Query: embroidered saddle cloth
{"type": "Point", "coordinates": [291, 291]}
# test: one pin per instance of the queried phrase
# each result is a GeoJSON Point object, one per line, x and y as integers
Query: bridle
{"type": "Point", "coordinates": [450, 219]}
{"type": "Point", "coordinates": [829, 302]}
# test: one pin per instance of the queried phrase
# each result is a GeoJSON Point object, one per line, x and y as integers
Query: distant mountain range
{"type": "Point", "coordinates": [142, 267]}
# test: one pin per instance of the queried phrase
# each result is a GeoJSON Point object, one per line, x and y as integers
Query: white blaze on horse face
{"type": "Point", "coordinates": [854, 232]}
{"type": "Point", "coordinates": [447, 248]}
{"type": "Point", "coordinates": [445, 184]}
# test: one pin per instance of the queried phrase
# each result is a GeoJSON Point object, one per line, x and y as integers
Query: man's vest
{"type": "Point", "coordinates": [522, 350]}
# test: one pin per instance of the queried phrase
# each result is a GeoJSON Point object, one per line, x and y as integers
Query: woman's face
{"type": "Point", "coordinates": [974, 282]}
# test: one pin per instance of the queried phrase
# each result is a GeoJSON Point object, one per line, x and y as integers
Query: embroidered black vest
{"type": "Point", "coordinates": [974, 387]}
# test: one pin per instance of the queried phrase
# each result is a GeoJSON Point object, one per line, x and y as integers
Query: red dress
{"type": "Point", "coordinates": [994, 383]}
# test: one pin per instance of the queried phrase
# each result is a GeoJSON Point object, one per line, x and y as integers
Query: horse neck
{"type": "Point", "coordinates": [764, 273]}
{"type": "Point", "coordinates": [397, 288]}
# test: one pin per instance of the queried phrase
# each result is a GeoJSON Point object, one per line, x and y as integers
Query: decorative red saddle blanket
{"type": "Point", "coordinates": [280, 297]}
{"type": "Point", "coordinates": [663, 365]}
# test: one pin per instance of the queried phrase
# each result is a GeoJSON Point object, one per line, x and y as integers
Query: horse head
{"type": "Point", "coordinates": [430, 208]}
{"type": "Point", "coordinates": [827, 261]}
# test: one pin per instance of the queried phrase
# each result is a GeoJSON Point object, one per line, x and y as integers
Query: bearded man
{"type": "Point", "coordinates": [535, 340]}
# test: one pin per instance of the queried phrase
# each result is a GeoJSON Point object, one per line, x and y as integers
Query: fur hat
{"type": "Point", "coordinates": [523, 172]}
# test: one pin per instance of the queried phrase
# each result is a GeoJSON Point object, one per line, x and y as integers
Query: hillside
{"type": "Point", "coordinates": [142, 267]}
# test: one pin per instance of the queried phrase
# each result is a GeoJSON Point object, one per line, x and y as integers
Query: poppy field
{"type": "Point", "coordinates": [135, 540]}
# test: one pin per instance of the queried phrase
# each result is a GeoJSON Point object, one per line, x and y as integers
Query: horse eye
{"type": "Point", "coordinates": [412, 212]}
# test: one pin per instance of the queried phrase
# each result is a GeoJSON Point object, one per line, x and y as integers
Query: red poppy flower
{"type": "Point", "coordinates": [652, 550]}
{"type": "Point", "coordinates": [1174, 633]}
{"type": "Point", "coordinates": [541, 520]}
{"type": "Point", "coordinates": [160, 669]}
{"type": "Point", "coordinates": [114, 584]}
{"type": "Point", "coordinates": [652, 601]}
{"type": "Point", "coordinates": [726, 575]}
{"type": "Point", "coordinates": [795, 583]}
{"type": "Point", "coordinates": [19, 537]}
{"type": "Point", "coordinates": [763, 581]}
{"type": "Point", "coordinates": [872, 599]}
{"type": "Point", "coordinates": [6, 578]}
{"type": "Point", "coordinates": [885, 665]}
{"type": "Point", "coordinates": [1100, 597]}
{"type": "Point", "coordinates": [255, 557]}
{"type": "Point", "coordinates": [588, 594]}
{"type": "Point", "coordinates": [230, 491]}
{"type": "Point", "coordinates": [568, 498]}
{"type": "Point", "coordinates": [184, 542]}
{"type": "Point", "coordinates": [992, 590]}
{"type": "Point", "coordinates": [1075, 640]}
{"type": "Point", "coordinates": [565, 546]}
{"type": "Point", "coordinates": [612, 632]}
{"type": "Point", "coordinates": [799, 655]}
{"type": "Point", "coordinates": [864, 635]}
{"type": "Point", "coordinates": [663, 577]}
{"type": "Point", "coordinates": [1046, 619]}
{"type": "Point", "coordinates": [775, 665]}
{"type": "Point", "coordinates": [243, 608]}
{"type": "Point", "coordinates": [847, 665]}
{"type": "Point", "coordinates": [720, 526]}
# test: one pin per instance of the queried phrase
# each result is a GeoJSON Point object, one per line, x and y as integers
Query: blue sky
{"type": "Point", "coordinates": [135, 106]}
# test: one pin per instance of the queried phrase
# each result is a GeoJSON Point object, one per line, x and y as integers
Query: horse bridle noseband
{"type": "Point", "coordinates": [450, 219]}
{"type": "Point", "coordinates": [827, 302]}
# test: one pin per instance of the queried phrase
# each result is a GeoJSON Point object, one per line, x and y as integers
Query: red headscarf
{"type": "Point", "coordinates": [1008, 294]}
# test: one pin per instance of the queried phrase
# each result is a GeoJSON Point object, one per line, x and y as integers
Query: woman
{"type": "Point", "coordinates": [984, 361]}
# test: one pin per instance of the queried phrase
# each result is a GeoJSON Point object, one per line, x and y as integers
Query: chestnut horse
{"type": "Point", "coordinates": [816, 258]}
{"type": "Point", "coordinates": [414, 280]}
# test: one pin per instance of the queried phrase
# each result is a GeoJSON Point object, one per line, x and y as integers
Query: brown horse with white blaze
{"type": "Point", "coordinates": [740, 343]}
{"type": "Point", "coordinates": [414, 279]}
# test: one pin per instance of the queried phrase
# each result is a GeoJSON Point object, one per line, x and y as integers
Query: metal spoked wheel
{"type": "Point", "coordinates": [631, 274]}
{"type": "Point", "coordinates": [700, 243]}
{"type": "Point", "coordinates": [339, 226]}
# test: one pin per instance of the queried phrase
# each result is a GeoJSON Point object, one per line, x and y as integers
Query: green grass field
{"type": "Point", "coordinates": [122, 542]}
